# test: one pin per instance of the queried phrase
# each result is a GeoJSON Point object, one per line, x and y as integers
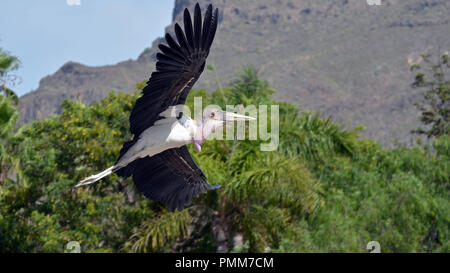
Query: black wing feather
{"type": "Point", "coordinates": [206, 26]}
{"type": "Point", "coordinates": [158, 179]}
{"type": "Point", "coordinates": [181, 38]}
{"type": "Point", "coordinates": [213, 28]}
{"type": "Point", "coordinates": [171, 53]}
{"type": "Point", "coordinates": [188, 28]}
{"type": "Point", "coordinates": [171, 177]}
{"type": "Point", "coordinates": [197, 25]}
{"type": "Point", "coordinates": [168, 60]}
{"type": "Point", "coordinates": [180, 67]}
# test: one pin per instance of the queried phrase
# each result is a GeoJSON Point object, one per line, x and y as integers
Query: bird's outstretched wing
{"type": "Point", "coordinates": [171, 177]}
{"type": "Point", "coordinates": [179, 66]}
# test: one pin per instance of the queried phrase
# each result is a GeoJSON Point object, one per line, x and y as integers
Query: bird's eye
{"type": "Point", "coordinates": [212, 114]}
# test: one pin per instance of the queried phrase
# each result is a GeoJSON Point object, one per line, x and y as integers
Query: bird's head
{"type": "Point", "coordinates": [212, 119]}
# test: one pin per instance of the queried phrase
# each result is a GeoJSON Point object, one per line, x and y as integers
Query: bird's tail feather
{"type": "Point", "coordinates": [94, 178]}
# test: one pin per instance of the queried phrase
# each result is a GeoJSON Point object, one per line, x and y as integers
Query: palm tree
{"type": "Point", "coordinates": [8, 119]}
{"type": "Point", "coordinates": [8, 114]}
{"type": "Point", "coordinates": [8, 63]}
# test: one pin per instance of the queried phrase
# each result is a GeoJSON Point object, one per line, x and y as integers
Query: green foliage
{"type": "Point", "coordinates": [435, 78]}
{"type": "Point", "coordinates": [384, 196]}
{"type": "Point", "coordinates": [8, 117]}
{"type": "Point", "coordinates": [155, 233]}
{"type": "Point", "coordinates": [248, 89]}
{"type": "Point", "coordinates": [322, 190]}
{"type": "Point", "coordinates": [8, 135]}
{"type": "Point", "coordinates": [55, 154]}
{"type": "Point", "coordinates": [313, 137]}
{"type": "Point", "coordinates": [8, 63]}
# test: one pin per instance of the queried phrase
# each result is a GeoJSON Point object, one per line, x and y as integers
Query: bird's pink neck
{"type": "Point", "coordinates": [202, 133]}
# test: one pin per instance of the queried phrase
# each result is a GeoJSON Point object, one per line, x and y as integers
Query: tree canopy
{"type": "Point", "coordinates": [323, 190]}
{"type": "Point", "coordinates": [434, 77]}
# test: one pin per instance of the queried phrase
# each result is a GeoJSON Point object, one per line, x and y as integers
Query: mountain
{"type": "Point", "coordinates": [343, 58]}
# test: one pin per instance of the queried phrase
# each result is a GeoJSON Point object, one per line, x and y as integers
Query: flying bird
{"type": "Point", "coordinates": [157, 157]}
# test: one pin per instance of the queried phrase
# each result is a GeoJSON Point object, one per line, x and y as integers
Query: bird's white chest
{"type": "Point", "coordinates": [179, 134]}
{"type": "Point", "coordinates": [167, 134]}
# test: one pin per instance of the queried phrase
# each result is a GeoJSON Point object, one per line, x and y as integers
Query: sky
{"type": "Point", "coordinates": [45, 34]}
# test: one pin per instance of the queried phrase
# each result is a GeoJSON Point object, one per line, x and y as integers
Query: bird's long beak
{"type": "Point", "coordinates": [230, 117]}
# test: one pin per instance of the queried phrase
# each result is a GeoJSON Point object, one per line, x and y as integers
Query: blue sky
{"type": "Point", "coordinates": [45, 34]}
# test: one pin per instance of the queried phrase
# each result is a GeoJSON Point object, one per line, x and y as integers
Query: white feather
{"type": "Point", "coordinates": [165, 134]}
{"type": "Point", "coordinates": [94, 178]}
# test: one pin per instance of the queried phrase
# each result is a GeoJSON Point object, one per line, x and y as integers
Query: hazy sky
{"type": "Point", "coordinates": [45, 34]}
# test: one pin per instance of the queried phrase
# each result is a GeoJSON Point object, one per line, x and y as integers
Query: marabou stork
{"type": "Point", "coordinates": [157, 157]}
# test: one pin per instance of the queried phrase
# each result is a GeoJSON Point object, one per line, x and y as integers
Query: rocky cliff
{"type": "Point", "coordinates": [343, 58]}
